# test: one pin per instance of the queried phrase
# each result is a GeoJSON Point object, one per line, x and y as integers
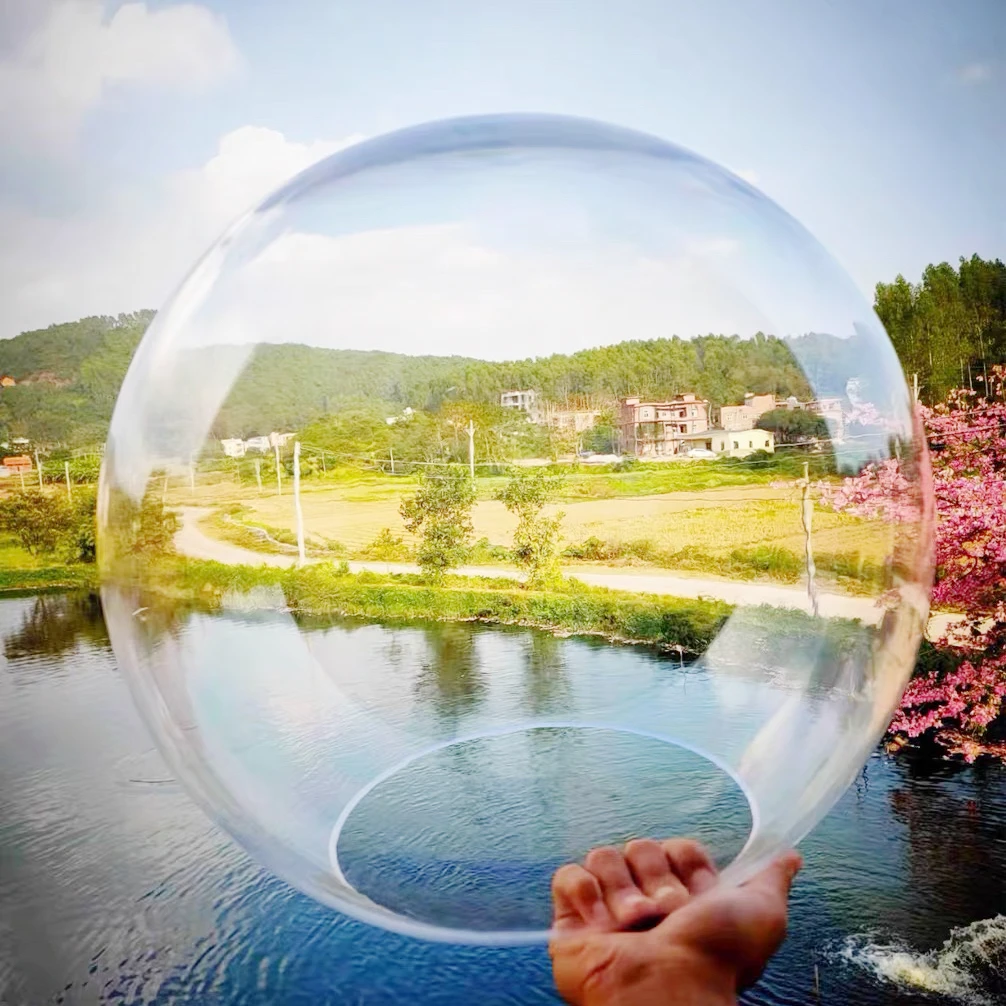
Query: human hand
{"type": "Point", "coordinates": [650, 925]}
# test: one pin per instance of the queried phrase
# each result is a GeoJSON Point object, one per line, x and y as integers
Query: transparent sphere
{"type": "Point", "coordinates": [478, 499]}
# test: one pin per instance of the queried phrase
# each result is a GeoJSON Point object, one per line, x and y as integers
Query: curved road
{"type": "Point", "coordinates": [191, 540]}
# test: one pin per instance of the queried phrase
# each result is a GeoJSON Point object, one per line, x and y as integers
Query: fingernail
{"type": "Point", "coordinates": [600, 914]}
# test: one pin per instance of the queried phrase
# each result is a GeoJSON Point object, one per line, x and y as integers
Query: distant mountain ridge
{"type": "Point", "coordinates": [68, 376]}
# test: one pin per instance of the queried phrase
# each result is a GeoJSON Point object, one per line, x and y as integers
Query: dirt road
{"type": "Point", "coordinates": [191, 540]}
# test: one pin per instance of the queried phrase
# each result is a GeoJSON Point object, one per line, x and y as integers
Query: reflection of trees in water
{"type": "Point", "coordinates": [955, 851]}
{"type": "Point", "coordinates": [55, 623]}
{"type": "Point", "coordinates": [545, 680]}
{"type": "Point", "coordinates": [450, 676]}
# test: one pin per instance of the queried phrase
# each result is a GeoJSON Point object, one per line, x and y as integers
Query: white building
{"type": "Point", "coordinates": [526, 401]}
{"type": "Point", "coordinates": [234, 447]}
{"type": "Point", "coordinates": [730, 443]}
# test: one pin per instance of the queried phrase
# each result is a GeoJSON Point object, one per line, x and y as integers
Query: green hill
{"type": "Point", "coordinates": [948, 329]}
{"type": "Point", "coordinates": [68, 376]}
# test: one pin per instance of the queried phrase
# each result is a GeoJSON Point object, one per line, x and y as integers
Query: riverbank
{"type": "Point", "coordinates": [682, 624]}
{"type": "Point", "coordinates": [686, 626]}
{"type": "Point", "coordinates": [79, 576]}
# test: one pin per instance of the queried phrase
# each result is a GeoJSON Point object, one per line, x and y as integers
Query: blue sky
{"type": "Point", "coordinates": [135, 132]}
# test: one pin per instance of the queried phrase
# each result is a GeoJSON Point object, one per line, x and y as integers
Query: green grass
{"type": "Point", "coordinates": [33, 581]}
{"type": "Point", "coordinates": [849, 570]}
{"type": "Point", "coordinates": [573, 608]}
{"type": "Point", "coordinates": [20, 571]}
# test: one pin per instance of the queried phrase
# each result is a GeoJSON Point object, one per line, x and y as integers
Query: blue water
{"type": "Point", "coordinates": [115, 888]}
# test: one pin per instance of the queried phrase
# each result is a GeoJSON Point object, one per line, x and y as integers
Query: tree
{"type": "Point", "coordinates": [956, 701]}
{"type": "Point", "coordinates": [440, 512]}
{"type": "Point", "coordinates": [39, 520]}
{"type": "Point", "coordinates": [536, 539]}
{"type": "Point", "coordinates": [794, 426]}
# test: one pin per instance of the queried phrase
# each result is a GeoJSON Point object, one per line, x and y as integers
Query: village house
{"type": "Point", "coordinates": [656, 429]}
{"type": "Point", "coordinates": [233, 447]}
{"type": "Point", "coordinates": [730, 443]}
{"type": "Point", "coordinates": [744, 417]}
{"type": "Point", "coordinates": [526, 401]}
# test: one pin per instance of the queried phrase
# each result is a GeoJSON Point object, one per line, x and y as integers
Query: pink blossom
{"type": "Point", "coordinates": [967, 439]}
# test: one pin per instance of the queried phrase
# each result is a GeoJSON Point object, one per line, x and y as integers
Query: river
{"type": "Point", "coordinates": [115, 887]}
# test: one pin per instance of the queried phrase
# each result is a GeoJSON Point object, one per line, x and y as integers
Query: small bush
{"type": "Point", "coordinates": [386, 547]}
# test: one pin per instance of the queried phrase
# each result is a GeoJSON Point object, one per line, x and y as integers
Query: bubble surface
{"type": "Point", "coordinates": [448, 310]}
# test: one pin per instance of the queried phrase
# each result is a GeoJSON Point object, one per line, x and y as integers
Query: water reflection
{"type": "Point", "coordinates": [961, 826]}
{"type": "Point", "coordinates": [546, 681]}
{"type": "Point", "coordinates": [55, 624]}
{"type": "Point", "coordinates": [114, 890]}
{"type": "Point", "coordinates": [451, 677]}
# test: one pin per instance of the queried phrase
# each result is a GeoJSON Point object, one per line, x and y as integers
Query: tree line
{"type": "Point", "coordinates": [950, 327]}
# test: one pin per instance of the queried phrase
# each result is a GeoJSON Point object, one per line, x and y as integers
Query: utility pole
{"type": "Point", "coordinates": [258, 473]}
{"type": "Point", "coordinates": [391, 451]}
{"type": "Point", "coordinates": [192, 476]}
{"type": "Point", "coordinates": [66, 472]}
{"type": "Point", "coordinates": [279, 474]}
{"type": "Point", "coordinates": [298, 513]}
{"type": "Point", "coordinates": [915, 388]}
{"type": "Point", "coordinates": [38, 468]}
{"type": "Point", "coordinates": [806, 515]}
{"type": "Point", "coordinates": [471, 449]}
{"type": "Point", "coordinates": [164, 488]}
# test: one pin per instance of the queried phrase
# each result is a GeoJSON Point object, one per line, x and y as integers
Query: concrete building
{"type": "Point", "coordinates": [744, 417]}
{"type": "Point", "coordinates": [730, 443]}
{"type": "Point", "coordinates": [526, 401]}
{"type": "Point", "coordinates": [657, 429]}
{"type": "Point", "coordinates": [233, 447]}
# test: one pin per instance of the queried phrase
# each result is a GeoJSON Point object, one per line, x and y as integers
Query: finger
{"type": "Point", "coordinates": [651, 870]}
{"type": "Point", "coordinates": [577, 900]}
{"type": "Point", "coordinates": [629, 907]}
{"type": "Point", "coordinates": [691, 863]}
{"type": "Point", "coordinates": [777, 878]}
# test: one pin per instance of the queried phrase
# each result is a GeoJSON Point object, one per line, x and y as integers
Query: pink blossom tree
{"type": "Point", "coordinates": [955, 704]}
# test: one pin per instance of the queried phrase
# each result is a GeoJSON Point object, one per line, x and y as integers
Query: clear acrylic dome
{"type": "Point", "coordinates": [581, 295]}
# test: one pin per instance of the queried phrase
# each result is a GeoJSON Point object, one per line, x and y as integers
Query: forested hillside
{"type": "Point", "coordinates": [292, 385]}
{"type": "Point", "coordinates": [947, 328]}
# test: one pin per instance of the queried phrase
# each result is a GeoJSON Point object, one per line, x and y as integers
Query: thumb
{"type": "Point", "coordinates": [777, 878]}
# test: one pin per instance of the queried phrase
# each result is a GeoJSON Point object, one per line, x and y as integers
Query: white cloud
{"type": "Point", "coordinates": [975, 73]}
{"type": "Point", "coordinates": [68, 61]}
{"type": "Point", "coordinates": [130, 251]}
{"type": "Point", "coordinates": [441, 289]}
{"type": "Point", "coordinates": [407, 275]}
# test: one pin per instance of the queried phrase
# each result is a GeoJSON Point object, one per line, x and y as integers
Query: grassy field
{"type": "Point", "coordinates": [22, 571]}
{"type": "Point", "coordinates": [752, 531]}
